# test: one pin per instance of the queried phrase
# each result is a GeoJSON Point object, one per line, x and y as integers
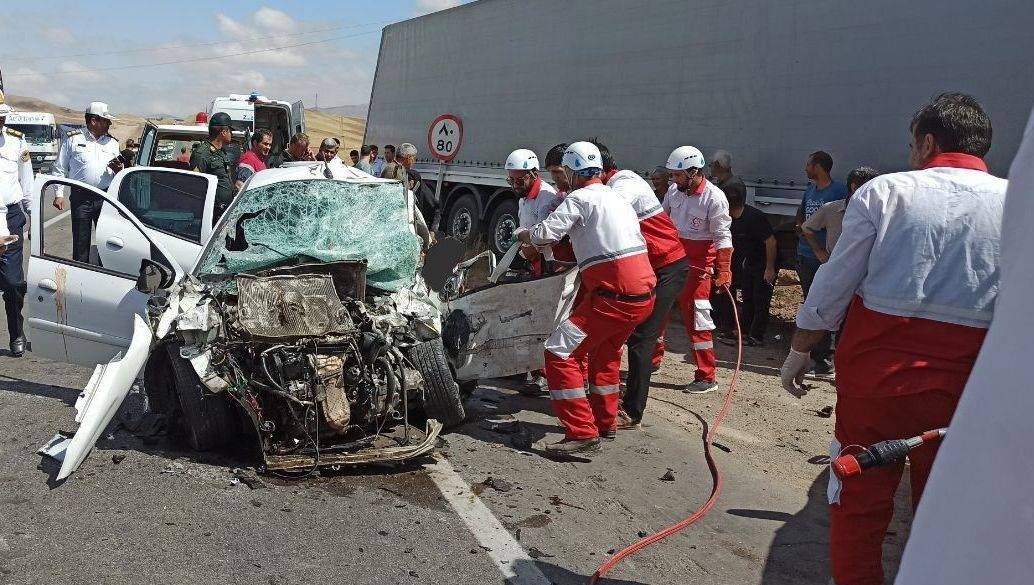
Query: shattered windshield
{"type": "Point", "coordinates": [322, 219]}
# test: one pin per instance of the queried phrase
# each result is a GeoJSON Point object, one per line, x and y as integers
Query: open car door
{"type": "Point", "coordinates": [175, 207]}
{"type": "Point", "coordinates": [499, 329]}
{"type": "Point", "coordinates": [81, 283]}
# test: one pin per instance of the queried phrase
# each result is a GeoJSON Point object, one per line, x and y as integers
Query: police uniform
{"type": "Point", "coordinates": [16, 184]}
{"type": "Point", "coordinates": [84, 157]}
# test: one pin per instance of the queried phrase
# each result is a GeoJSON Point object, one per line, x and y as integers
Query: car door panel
{"type": "Point", "coordinates": [500, 330]}
{"type": "Point", "coordinates": [176, 208]}
{"type": "Point", "coordinates": [81, 312]}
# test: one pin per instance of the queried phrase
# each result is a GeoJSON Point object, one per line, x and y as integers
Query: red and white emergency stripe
{"type": "Point", "coordinates": [921, 291]}
{"type": "Point", "coordinates": [704, 224]}
{"type": "Point", "coordinates": [616, 294]}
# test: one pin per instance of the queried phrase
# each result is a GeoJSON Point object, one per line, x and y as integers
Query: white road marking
{"type": "Point", "coordinates": [56, 219]}
{"type": "Point", "coordinates": [508, 555]}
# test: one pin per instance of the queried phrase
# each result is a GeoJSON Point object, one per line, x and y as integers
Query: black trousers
{"type": "Point", "coordinates": [806, 269]}
{"type": "Point", "coordinates": [757, 299]}
{"type": "Point", "coordinates": [670, 281]}
{"type": "Point", "coordinates": [86, 209]}
{"type": "Point", "coordinates": [12, 274]}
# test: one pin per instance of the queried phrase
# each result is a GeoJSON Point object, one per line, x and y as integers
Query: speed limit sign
{"type": "Point", "coordinates": [444, 137]}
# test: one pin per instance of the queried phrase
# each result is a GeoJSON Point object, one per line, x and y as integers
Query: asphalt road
{"type": "Point", "coordinates": [480, 511]}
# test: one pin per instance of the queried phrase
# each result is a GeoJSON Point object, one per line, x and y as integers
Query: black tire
{"type": "Point", "coordinates": [503, 223]}
{"type": "Point", "coordinates": [442, 400]}
{"type": "Point", "coordinates": [208, 420]}
{"type": "Point", "coordinates": [160, 388]}
{"type": "Point", "coordinates": [463, 221]}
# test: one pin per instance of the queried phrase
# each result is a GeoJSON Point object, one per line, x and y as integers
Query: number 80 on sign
{"type": "Point", "coordinates": [444, 137]}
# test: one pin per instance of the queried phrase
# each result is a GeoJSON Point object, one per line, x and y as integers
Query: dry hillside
{"type": "Point", "coordinates": [319, 125]}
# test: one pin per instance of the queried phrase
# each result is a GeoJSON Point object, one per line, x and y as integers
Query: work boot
{"type": "Point", "coordinates": [701, 387]}
{"type": "Point", "coordinates": [581, 448]}
{"type": "Point", "coordinates": [626, 422]}
{"type": "Point", "coordinates": [535, 387]}
{"type": "Point", "coordinates": [18, 346]}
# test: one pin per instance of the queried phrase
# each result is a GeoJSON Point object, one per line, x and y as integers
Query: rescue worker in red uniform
{"type": "Point", "coordinates": [536, 199]}
{"type": "Point", "coordinates": [918, 265]}
{"type": "Point", "coordinates": [616, 294]}
{"type": "Point", "coordinates": [700, 211]}
{"type": "Point", "coordinates": [668, 259]}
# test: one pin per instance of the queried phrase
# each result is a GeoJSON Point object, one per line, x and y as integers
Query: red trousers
{"type": "Point", "coordinates": [897, 377]}
{"type": "Point", "coordinates": [596, 330]}
{"type": "Point", "coordinates": [859, 521]}
{"type": "Point", "coordinates": [695, 306]}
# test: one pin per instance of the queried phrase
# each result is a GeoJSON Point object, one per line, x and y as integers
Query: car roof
{"type": "Point", "coordinates": [307, 171]}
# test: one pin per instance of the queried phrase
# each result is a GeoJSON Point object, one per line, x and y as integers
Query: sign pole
{"type": "Point", "coordinates": [438, 196]}
{"type": "Point", "coordinates": [444, 138]}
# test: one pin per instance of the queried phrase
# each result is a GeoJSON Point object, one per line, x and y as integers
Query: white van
{"type": "Point", "coordinates": [40, 132]}
{"type": "Point", "coordinates": [248, 112]}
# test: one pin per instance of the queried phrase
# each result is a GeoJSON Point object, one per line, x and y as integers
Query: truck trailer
{"type": "Point", "coordinates": [771, 82]}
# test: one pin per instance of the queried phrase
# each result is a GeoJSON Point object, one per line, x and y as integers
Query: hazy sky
{"type": "Point", "coordinates": [72, 52]}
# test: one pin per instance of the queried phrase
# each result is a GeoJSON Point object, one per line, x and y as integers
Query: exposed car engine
{"type": "Point", "coordinates": [316, 370]}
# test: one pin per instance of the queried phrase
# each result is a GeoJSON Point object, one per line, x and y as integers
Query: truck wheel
{"type": "Point", "coordinates": [463, 222]}
{"type": "Point", "coordinates": [442, 399]}
{"type": "Point", "coordinates": [208, 419]}
{"type": "Point", "coordinates": [501, 227]}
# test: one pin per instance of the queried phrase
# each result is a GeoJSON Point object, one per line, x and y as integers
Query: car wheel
{"type": "Point", "coordinates": [208, 419]}
{"type": "Point", "coordinates": [160, 388]}
{"type": "Point", "coordinates": [442, 400]}
{"type": "Point", "coordinates": [502, 226]}
{"type": "Point", "coordinates": [463, 222]}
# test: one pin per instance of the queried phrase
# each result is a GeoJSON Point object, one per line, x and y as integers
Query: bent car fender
{"type": "Point", "coordinates": [103, 395]}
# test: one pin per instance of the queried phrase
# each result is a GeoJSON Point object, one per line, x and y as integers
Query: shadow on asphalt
{"type": "Point", "coordinates": [800, 549]}
{"type": "Point", "coordinates": [560, 575]}
{"type": "Point", "coordinates": [11, 384]}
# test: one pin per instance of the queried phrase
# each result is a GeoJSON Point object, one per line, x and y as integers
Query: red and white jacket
{"type": "Point", "coordinates": [702, 215]}
{"type": "Point", "coordinates": [918, 264]}
{"type": "Point", "coordinates": [536, 206]}
{"type": "Point", "coordinates": [604, 232]}
{"type": "Point", "coordinates": [662, 238]}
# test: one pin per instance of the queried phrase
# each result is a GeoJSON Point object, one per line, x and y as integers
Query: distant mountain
{"type": "Point", "coordinates": [353, 111]}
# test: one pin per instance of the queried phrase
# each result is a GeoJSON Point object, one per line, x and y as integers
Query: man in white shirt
{"type": "Point", "coordinates": [16, 186]}
{"type": "Point", "coordinates": [917, 263]}
{"type": "Point", "coordinates": [90, 156]}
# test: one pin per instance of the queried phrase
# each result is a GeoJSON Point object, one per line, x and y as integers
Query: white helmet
{"type": "Point", "coordinates": [684, 158]}
{"type": "Point", "coordinates": [582, 156]}
{"type": "Point", "coordinates": [522, 159]}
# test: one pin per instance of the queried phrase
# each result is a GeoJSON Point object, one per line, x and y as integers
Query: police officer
{"type": "Point", "coordinates": [93, 157]}
{"type": "Point", "coordinates": [213, 158]}
{"type": "Point", "coordinates": [15, 190]}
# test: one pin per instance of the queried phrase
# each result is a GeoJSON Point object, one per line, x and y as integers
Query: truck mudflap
{"type": "Point", "coordinates": [386, 454]}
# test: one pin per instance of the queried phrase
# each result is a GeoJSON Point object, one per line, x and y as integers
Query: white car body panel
{"type": "Point", "coordinates": [509, 323]}
{"type": "Point", "coordinates": [184, 251]}
{"type": "Point", "coordinates": [103, 395]}
{"type": "Point", "coordinates": [77, 312]}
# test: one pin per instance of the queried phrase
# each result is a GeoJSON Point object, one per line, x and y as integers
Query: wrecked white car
{"type": "Point", "coordinates": [303, 324]}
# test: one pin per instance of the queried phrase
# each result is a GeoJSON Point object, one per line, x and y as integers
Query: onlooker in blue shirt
{"type": "Point", "coordinates": [822, 189]}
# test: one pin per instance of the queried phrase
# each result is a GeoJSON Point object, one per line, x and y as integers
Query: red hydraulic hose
{"type": "Point", "coordinates": [716, 475]}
